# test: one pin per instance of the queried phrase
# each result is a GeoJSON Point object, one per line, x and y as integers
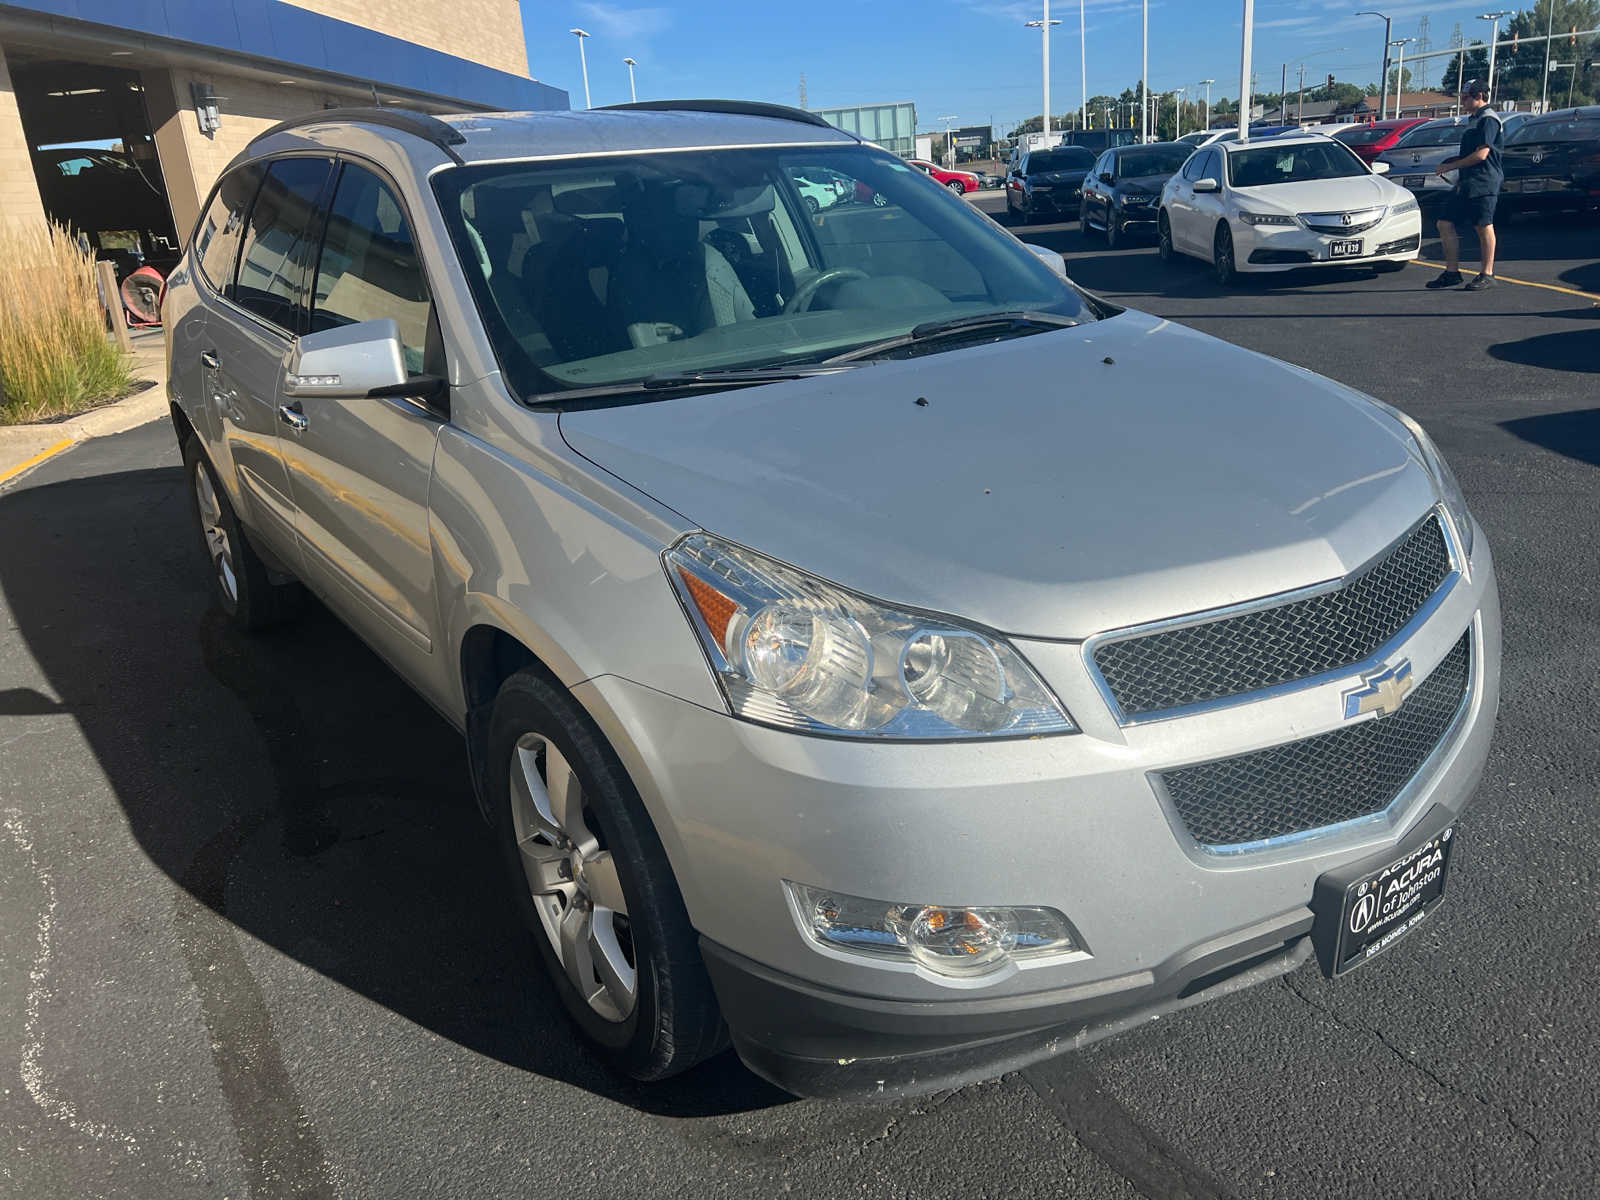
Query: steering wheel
{"type": "Point", "coordinates": [801, 301]}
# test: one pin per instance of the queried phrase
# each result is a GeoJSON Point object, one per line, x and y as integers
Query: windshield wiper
{"type": "Point", "coordinates": [708, 379]}
{"type": "Point", "coordinates": [1014, 321]}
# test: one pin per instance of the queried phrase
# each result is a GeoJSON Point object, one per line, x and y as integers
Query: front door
{"type": "Point", "coordinates": [359, 469]}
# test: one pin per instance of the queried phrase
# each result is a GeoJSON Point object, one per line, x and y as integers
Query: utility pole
{"type": "Point", "coordinates": [1423, 46]}
{"type": "Point", "coordinates": [1300, 105]}
{"type": "Point", "coordinates": [1283, 92]}
{"type": "Point", "coordinates": [1383, 100]}
{"type": "Point", "coordinates": [584, 63]}
{"type": "Point", "coordinates": [1245, 80]}
{"type": "Point", "coordinates": [1044, 31]}
{"type": "Point", "coordinates": [1144, 76]}
{"type": "Point", "coordinates": [1494, 38]}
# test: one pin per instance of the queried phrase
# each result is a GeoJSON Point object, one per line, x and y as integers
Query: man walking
{"type": "Point", "coordinates": [1477, 190]}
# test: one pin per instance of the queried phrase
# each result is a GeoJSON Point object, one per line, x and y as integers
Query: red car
{"type": "Point", "coordinates": [1373, 138]}
{"type": "Point", "coordinates": [958, 182]}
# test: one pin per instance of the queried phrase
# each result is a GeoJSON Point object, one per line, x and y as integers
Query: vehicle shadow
{"type": "Point", "coordinates": [1575, 350]}
{"type": "Point", "coordinates": [1574, 434]}
{"type": "Point", "coordinates": [292, 784]}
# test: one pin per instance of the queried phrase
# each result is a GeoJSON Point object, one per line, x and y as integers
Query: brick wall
{"type": "Point", "coordinates": [19, 194]}
{"type": "Point", "coordinates": [484, 31]}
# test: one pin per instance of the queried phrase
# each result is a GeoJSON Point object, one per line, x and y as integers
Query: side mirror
{"type": "Point", "coordinates": [1105, 176]}
{"type": "Point", "coordinates": [1207, 185]}
{"type": "Point", "coordinates": [1380, 168]}
{"type": "Point", "coordinates": [1049, 258]}
{"type": "Point", "coordinates": [360, 361]}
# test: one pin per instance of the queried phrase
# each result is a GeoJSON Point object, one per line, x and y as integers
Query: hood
{"type": "Point", "coordinates": [1043, 490]}
{"type": "Point", "coordinates": [1071, 175]}
{"type": "Point", "coordinates": [1145, 183]}
{"type": "Point", "coordinates": [1323, 195]}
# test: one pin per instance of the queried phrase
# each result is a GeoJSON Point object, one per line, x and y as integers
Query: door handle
{"type": "Point", "coordinates": [208, 358]}
{"type": "Point", "coordinates": [291, 416]}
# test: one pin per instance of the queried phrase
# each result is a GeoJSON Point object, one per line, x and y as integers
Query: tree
{"type": "Point", "coordinates": [1519, 69]}
{"type": "Point", "coordinates": [1477, 67]}
{"type": "Point", "coordinates": [1404, 84]}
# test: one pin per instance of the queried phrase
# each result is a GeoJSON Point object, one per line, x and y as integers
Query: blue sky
{"type": "Point", "coordinates": [969, 58]}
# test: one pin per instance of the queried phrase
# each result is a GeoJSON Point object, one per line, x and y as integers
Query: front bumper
{"type": "Point", "coordinates": [1072, 823]}
{"type": "Point", "coordinates": [1289, 247]}
{"type": "Point", "coordinates": [1062, 198]}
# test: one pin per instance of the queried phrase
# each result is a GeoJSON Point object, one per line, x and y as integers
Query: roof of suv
{"type": "Point", "coordinates": [487, 137]}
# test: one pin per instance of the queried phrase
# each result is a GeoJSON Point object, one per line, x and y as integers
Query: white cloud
{"type": "Point", "coordinates": [614, 21]}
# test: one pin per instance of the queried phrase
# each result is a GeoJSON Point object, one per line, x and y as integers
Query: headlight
{"type": "Point", "coordinates": [795, 652]}
{"type": "Point", "coordinates": [1455, 501]}
{"type": "Point", "coordinates": [1405, 206]}
{"type": "Point", "coordinates": [1250, 218]}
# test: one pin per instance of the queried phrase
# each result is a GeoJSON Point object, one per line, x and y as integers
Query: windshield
{"type": "Point", "coordinates": [1157, 160]}
{"type": "Point", "coordinates": [614, 269]}
{"type": "Point", "coordinates": [1558, 129]}
{"type": "Point", "coordinates": [1296, 163]}
{"type": "Point", "coordinates": [1446, 133]}
{"type": "Point", "coordinates": [1068, 158]}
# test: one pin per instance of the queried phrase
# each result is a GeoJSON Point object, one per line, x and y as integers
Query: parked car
{"type": "Point", "coordinates": [1413, 159]}
{"type": "Point", "coordinates": [1048, 182]}
{"type": "Point", "coordinates": [1553, 162]}
{"type": "Point", "coordinates": [988, 179]}
{"type": "Point", "coordinates": [118, 203]}
{"type": "Point", "coordinates": [1197, 138]}
{"type": "Point", "coordinates": [1283, 204]}
{"type": "Point", "coordinates": [758, 759]}
{"type": "Point", "coordinates": [1374, 137]}
{"type": "Point", "coordinates": [958, 182]}
{"type": "Point", "coordinates": [1122, 192]}
{"type": "Point", "coordinates": [821, 193]}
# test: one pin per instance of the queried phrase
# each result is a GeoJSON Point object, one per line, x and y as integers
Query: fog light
{"type": "Point", "coordinates": [951, 941]}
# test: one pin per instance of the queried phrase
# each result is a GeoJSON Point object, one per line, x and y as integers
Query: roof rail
{"type": "Point", "coordinates": [429, 129]}
{"type": "Point", "coordinates": [744, 108]}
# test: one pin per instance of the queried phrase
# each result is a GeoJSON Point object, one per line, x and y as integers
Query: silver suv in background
{"type": "Point", "coordinates": [821, 697]}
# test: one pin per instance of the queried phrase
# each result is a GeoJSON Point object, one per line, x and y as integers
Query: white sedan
{"type": "Point", "coordinates": [1285, 203]}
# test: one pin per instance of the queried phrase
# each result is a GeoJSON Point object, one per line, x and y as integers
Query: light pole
{"type": "Point", "coordinates": [1144, 77]}
{"type": "Point", "coordinates": [1383, 100]}
{"type": "Point", "coordinates": [633, 93]}
{"type": "Point", "coordinates": [1494, 37]}
{"type": "Point", "coordinates": [1246, 44]}
{"type": "Point", "coordinates": [1179, 128]}
{"type": "Point", "coordinates": [950, 142]}
{"type": "Point", "coordinates": [583, 62]}
{"type": "Point", "coordinates": [1400, 73]}
{"type": "Point", "coordinates": [1044, 34]}
{"type": "Point", "coordinates": [1205, 113]}
{"type": "Point", "coordinates": [1549, 27]}
{"type": "Point", "coordinates": [1083, 71]}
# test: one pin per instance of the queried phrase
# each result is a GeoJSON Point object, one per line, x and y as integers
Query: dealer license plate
{"type": "Point", "coordinates": [1351, 249]}
{"type": "Point", "coordinates": [1535, 185]}
{"type": "Point", "coordinates": [1414, 181]}
{"type": "Point", "coordinates": [1382, 907]}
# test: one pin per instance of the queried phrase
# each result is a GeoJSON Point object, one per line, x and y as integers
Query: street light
{"type": "Point", "coordinates": [1383, 101]}
{"type": "Point", "coordinates": [1181, 91]}
{"type": "Point", "coordinates": [1144, 78]}
{"type": "Point", "coordinates": [1549, 28]}
{"type": "Point", "coordinates": [632, 92]}
{"type": "Point", "coordinates": [583, 62]}
{"type": "Point", "coordinates": [1205, 119]}
{"type": "Point", "coordinates": [1400, 73]}
{"type": "Point", "coordinates": [1083, 71]}
{"type": "Point", "coordinates": [1044, 36]}
{"type": "Point", "coordinates": [1246, 44]}
{"type": "Point", "coordinates": [1494, 37]}
{"type": "Point", "coordinates": [950, 142]}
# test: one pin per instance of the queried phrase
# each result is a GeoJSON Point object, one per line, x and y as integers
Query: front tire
{"type": "Point", "coordinates": [241, 582]}
{"type": "Point", "coordinates": [593, 885]}
{"type": "Point", "coordinates": [956, 186]}
{"type": "Point", "coordinates": [1113, 237]}
{"type": "Point", "coordinates": [1164, 238]}
{"type": "Point", "coordinates": [1222, 257]}
{"type": "Point", "coordinates": [812, 206]}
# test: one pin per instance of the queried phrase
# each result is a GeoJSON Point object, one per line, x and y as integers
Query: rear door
{"type": "Point", "coordinates": [1180, 208]}
{"type": "Point", "coordinates": [255, 316]}
{"type": "Point", "coordinates": [359, 469]}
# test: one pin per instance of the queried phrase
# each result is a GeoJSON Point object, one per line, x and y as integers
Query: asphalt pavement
{"type": "Point", "coordinates": [253, 940]}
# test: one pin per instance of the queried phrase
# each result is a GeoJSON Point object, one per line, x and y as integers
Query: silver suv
{"type": "Point", "coordinates": [870, 647]}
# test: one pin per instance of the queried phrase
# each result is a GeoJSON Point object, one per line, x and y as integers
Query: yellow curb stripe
{"type": "Point", "coordinates": [47, 452]}
{"type": "Point", "coordinates": [1549, 287]}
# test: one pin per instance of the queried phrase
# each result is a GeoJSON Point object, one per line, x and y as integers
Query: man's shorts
{"type": "Point", "coordinates": [1462, 211]}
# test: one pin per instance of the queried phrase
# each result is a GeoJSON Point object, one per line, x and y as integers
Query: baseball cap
{"type": "Point", "coordinates": [1475, 87]}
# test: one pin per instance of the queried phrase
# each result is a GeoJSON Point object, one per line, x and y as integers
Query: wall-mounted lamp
{"type": "Point", "coordinates": [206, 113]}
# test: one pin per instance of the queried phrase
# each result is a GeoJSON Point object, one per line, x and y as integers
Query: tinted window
{"type": "Point", "coordinates": [1067, 158]}
{"type": "Point", "coordinates": [1293, 163]}
{"type": "Point", "coordinates": [1191, 169]}
{"type": "Point", "coordinates": [1445, 133]}
{"type": "Point", "coordinates": [1153, 160]}
{"type": "Point", "coordinates": [370, 267]}
{"type": "Point", "coordinates": [216, 238]}
{"type": "Point", "coordinates": [272, 267]}
{"type": "Point", "coordinates": [1559, 129]}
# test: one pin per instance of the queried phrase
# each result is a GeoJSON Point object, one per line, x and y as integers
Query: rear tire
{"type": "Point", "coordinates": [626, 912]}
{"type": "Point", "coordinates": [1222, 257]}
{"type": "Point", "coordinates": [1164, 238]}
{"type": "Point", "coordinates": [241, 582]}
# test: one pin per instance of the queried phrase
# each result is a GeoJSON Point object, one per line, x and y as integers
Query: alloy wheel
{"type": "Point", "coordinates": [218, 545]}
{"type": "Point", "coordinates": [572, 879]}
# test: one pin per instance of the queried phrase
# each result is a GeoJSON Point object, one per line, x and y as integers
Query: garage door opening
{"type": "Point", "coordinates": [94, 157]}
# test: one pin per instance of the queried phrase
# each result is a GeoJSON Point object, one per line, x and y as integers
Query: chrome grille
{"type": "Point", "coordinates": [1325, 780]}
{"type": "Point", "coordinates": [1358, 221]}
{"type": "Point", "coordinates": [1264, 647]}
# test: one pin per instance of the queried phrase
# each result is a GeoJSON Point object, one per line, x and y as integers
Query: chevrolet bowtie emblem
{"type": "Point", "coordinates": [1381, 692]}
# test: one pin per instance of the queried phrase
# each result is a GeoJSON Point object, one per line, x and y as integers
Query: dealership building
{"type": "Point", "coordinates": [175, 88]}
